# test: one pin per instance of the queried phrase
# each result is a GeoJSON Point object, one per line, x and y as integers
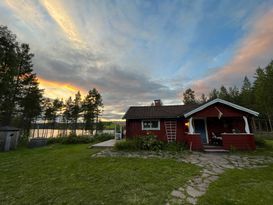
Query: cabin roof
{"type": "Point", "coordinates": [176, 111]}
{"type": "Point", "coordinates": [164, 111]}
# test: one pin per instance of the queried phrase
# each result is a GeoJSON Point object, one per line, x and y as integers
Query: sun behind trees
{"type": "Point", "coordinates": [22, 102]}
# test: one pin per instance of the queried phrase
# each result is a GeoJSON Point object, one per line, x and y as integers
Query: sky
{"type": "Point", "coordinates": [134, 52]}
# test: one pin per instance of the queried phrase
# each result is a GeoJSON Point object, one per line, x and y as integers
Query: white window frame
{"type": "Point", "coordinates": [143, 128]}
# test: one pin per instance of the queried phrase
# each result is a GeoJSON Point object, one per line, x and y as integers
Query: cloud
{"type": "Point", "coordinates": [53, 89]}
{"type": "Point", "coordinates": [255, 50]}
{"type": "Point", "coordinates": [57, 11]}
{"type": "Point", "coordinates": [135, 51]}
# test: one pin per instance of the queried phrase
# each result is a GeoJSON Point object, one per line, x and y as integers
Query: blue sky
{"type": "Point", "coordinates": [137, 51]}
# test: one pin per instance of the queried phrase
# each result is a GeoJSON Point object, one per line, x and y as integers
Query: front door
{"type": "Point", "coordinates": [200, 127]}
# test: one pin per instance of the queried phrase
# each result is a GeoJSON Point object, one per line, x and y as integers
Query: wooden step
{"type": "Point", "coordinates": [216, 150]}
{"type": "Point", "coordinates": [213, 147]}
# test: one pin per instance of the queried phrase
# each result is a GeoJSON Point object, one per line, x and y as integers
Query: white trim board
{"type": "Point", "coordinates": [217, 100]}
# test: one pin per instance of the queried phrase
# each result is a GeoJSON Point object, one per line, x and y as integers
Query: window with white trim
{"type": "Point", "coordinates": [150, 125]}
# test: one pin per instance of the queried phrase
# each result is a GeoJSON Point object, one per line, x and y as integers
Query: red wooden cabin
{"type": "Point", "coordinates": [217, 122]}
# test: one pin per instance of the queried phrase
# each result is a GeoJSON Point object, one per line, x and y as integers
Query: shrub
{"type": "Point", "coordinates": [102, 137]}
{"type": "Point", "coordinates": [260, 141]}
{"type": "Point", "coordinates": [81, 139]}
{"type": "Point", "coordinates": [70, 139]}
{"type": "Point", "coordinates": [149, 143]}
{"type": "Point", "coordinates": [174, 147]}
{"type": "Point", "coordinates": [128, 145]}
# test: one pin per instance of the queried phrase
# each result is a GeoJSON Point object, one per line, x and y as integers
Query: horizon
{"type": "Point", "coordinates": [134, 52]}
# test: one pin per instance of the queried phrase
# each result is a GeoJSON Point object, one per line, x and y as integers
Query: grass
{"type": "Point", "coordinates": [66, 174]}
{"type": "Point", "coordinates": [241, 187]}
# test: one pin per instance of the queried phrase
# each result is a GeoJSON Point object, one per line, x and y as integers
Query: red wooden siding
{"type": "Point", "coordinates": [133, 129]}
{"type": "Point", "coordinates": [226, 110]}
{"type": "Point", "coordinates": [239, 141]}
{"type": "Point", "coordinates": [231, 119]}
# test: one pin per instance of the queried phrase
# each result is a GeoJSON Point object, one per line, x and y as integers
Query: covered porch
{"type": "Point", "coordinates": [226, 132]}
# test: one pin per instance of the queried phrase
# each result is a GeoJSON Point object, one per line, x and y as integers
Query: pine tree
{"type": "Point", "coordinates": [18, 83]}
{"type": "Point", "coordinates": [263, 89]}
{"type": "Point", "coordinates": [189, 97]}
{"type": "Point", "coordinates": [92, 108]}
{"type": "Point", "coordinates": [76, 110]}
{"type": "Point", "coordinates": [213, 94]}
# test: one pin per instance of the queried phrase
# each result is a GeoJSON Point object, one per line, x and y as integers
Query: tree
{"type": "Point", "coordinates": [247, 94]}
{"type": "Point", "coordinates": [223, 94]}
{"type": "Point", "coordinates": [76, 110]}
{"type": "Point", "coordinates": [31, 105]}
{"type": "Point", "coordinates": [233, 94]}
{"type": "Point", "coordinates": [52, 111]}
{"type": "Point", "coordinates": [92, 108]}
{"type": "Point", "coordinates": [203, 99]}
{"type": "Point", "coordinates": [213, 94]}
{"type": "Point", "coordinates": [263, 89]}
{"type": "Point", "coordinates": [189, 97]}
{"type": "Point", "coordinates": [17, 80]}
{"type": "Point", "coordinates": [67, 114]}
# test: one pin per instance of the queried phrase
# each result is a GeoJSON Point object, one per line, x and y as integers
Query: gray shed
{"type": "Point", "coordinates": [8, 138]}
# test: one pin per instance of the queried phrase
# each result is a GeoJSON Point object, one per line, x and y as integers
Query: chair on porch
{"type": "Point", "coordinates": [215, 140]}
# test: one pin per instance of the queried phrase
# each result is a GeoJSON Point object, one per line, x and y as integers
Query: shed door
{"type": "Point", "coordinates": [200, 127]}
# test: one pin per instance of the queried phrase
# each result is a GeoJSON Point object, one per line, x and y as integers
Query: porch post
{"type": "Point", "coordinates": [191, 130]}
{"type": "Point", "coordinates": [246, 125]}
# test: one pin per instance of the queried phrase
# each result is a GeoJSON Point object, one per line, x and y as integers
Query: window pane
{"type": "Point", "coordinates": [146, 124]}
{"type": "Point", "coordinates": [154, 124]}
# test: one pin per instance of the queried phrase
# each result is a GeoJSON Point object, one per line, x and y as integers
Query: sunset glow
{"type": "Point", "coordinates": [136, 51]}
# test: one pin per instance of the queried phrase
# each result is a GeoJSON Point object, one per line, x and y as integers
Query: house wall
{"type": "Point", "coordinates": [238, 141]}
{"type": "Point", "coordinates": [233, 117]}
{"type": "Point", "coordinates": [227, 111]}
{"type": "Point", "coordinates": [133, 129]}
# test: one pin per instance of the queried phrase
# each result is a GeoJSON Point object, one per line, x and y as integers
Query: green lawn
{"type": "Point", "coordinates": [66, 174]}
{"type": "Point", "coordinates": [241, 187]}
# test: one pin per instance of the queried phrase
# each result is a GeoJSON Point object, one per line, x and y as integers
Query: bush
{"type": "Point", "coordinates": [81, 139]}
{"type": "Point", "coordinates": [260, 141]}
{"type": "Point", "coordinates": [149, 143]}
{"type": "Point", "coordinates": [128, 145]}
{"type": "Point", "coordinates": [174, 147]}
{"type": "Point", "coordinates": [102, 137]}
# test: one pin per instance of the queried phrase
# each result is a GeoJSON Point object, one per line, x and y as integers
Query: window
{"type": "Point", "coordinates": [150, 125]}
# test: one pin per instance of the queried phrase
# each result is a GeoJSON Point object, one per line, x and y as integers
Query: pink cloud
{"type": "Point", "coordinates": [255, 50]}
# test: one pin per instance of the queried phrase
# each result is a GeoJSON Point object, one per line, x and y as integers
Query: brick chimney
{"type": "Point", "coordinates": [157, 102]}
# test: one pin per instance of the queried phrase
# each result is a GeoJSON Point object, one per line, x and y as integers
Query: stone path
{"type": "Point", "coordinates": [213, 165]}
{"type": "Point", "coordinates": [108, 143]}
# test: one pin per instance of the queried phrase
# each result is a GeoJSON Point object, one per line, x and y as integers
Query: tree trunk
{"type": "Point", "coordinates": [266, 125]}
{"type": "Point", "coordinates": [270, 124]}
{"type": "Point", "coordinates": [259, 124]}
{"type": "Point", "coordinates": [253, 125]}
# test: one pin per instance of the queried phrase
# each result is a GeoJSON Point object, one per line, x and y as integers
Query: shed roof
{"type": "Point", "coordinates": [8, 128]}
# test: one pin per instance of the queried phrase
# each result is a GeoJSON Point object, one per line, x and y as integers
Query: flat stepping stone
{"type": "Point", "coordinates": [178, 194]}
{"type": "Point", "coordinates": [191, 200]}
{"type": "Point", "coordinates": [194, 192]}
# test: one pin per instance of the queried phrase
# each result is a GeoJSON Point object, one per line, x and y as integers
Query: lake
{"type": "Point", "coordinates": [46, 133]}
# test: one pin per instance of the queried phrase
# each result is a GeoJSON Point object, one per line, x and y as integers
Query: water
{"type": "Point", "coordinates": [46, 133]}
